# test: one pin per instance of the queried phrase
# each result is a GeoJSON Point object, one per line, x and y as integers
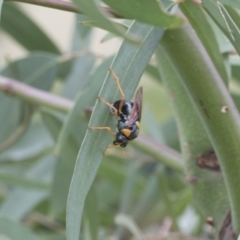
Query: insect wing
{"type": "Point", "coordinates": [135, 114]}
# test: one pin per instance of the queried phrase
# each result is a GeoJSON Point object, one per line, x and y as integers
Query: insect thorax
{"type": "Point", "coordinates": [125, 111]}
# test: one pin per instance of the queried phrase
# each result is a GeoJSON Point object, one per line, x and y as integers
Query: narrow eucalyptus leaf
{"type": "Point", "coordinates": [21, 201]}
{"type": "Point", "coordinates": [95, 24]}
{"type": "Point", "coordinates": [127, 196]}
{"type": "Point", "coordinates": [78, 79]}
{"type": "Point", "coordinates": [224, 21]}
{"type": "Point", "coordinates": [92, 213]}
{"type": "Point", "coordinates": [129, 65]}
{"type": "Point", "coordinates": [199, 22]}
{"type": "Point", "coordinates": [126, 221]}
{"type": "Point", "coordinates": [153, 14]}
{"type": "Point", "coordinates": [90, 8]}
{"type": "Point", "coordinates": [22, 181]}
{"type": "Point", "coordinates": [232, 28]}
{"type": "Point", "coordinates": [63, 168]}
{"type": "Point", "coordinates": [81, 34]}
{"type": "Point", "coordinates": [231, 3]}
{"type": "Point", "coordinates": [85, 98]}
{"type": "Point", "coordinates": [39, 70]}
{"type": "Point", "coordinates": [23, 29]}
{"type": "Point", "coordinates": [15, 230]}
{"type": "Point", "coordinates": [1, 2]}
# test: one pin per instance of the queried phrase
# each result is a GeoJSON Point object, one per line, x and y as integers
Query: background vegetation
{"type": "Point", "coordinates": [178, 180]}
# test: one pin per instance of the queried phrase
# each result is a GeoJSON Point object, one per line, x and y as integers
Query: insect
{"type": "Point", "coordinates": [128, 114]}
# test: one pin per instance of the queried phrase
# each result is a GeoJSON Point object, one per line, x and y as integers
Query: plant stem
{"type": "Point", "coordinates": [194, 142]}
{"type": "Point", "coordinates": [163, 153]}
{"type": "Point", "coordinates": [33, 95]}
{"type": "Point", "coordinates": [62, 5]}
{"type": "Point", "coordinates": [213, 103]}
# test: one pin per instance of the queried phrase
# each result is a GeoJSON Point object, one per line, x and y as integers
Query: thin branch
{"type": "Point", "coordinates": [33, 95]}
{"type": "Point", "coordinates": [63, 5]}
{"type": "Point", "coordinates": [161, 152]}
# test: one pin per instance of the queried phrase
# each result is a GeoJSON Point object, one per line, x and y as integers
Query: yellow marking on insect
{"type": "Point", "coordinates": [126, 132]}
{"type": "Point", "coordinates": [137, 124]}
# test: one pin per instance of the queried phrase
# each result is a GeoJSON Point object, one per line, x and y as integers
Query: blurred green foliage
{"type": "Point", "coordinates": [55, 182]}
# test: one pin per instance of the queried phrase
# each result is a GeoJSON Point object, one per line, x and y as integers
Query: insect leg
{"type": "Point", "coordinates": [119, 87]}
{"type": "Point", "coordinates": [102, 128]}
{"type": "Point", "coordinates": [110, 105]}
{"type": "Point", "coordinates": [105, 149]}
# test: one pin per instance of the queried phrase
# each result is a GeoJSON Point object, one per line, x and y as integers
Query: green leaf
{"type": "Point", "coordinates": [160, 152]}
{"type": "Point", "coordinates": [79, 76]}
{"type": "Point", "coordinates": [129, 64]}
{"type": "Point", "coordinates": [81, 34]}
{"type": "Point", "coordinates": [25, 31]}
{"type": "Point", "coordinates": [91, 213]}
{"type": "Point", "coordinates": [126, 202]}
{"type": "Point", "coordinates": [170, 134]}
{"type": "Point", "coordinates": [114, 170]}
{"type": "Point", "coordinates": [231, 27]}
{"type": "Point", "coordinates": [109, 35]}
{"type": "Point", "coordinates": [85, 99]}
{"type": "Point", "coordinates": [151, 126]}
{"type": "Point", "coordinates": [97, 25]}
{"type": "Point", "coordinates": [153, 72]}
{"type": "Point", "coordinates": [165, 195]}
{"type": "Point", "coordinates": [90, 8]}
{"type": "Point", "coordinates": [129, 223]}
{"type": "Point", "coordinates": [1, 2]}
{"type": "Point", "coordinates": [35, 140]}
{"type": "Point", "coordinates": [64, 167]}
{"type": "Point", "coordinates": [234, 15]}
{"type": "Point", "coordinates": [11, 230]}
{"type": "Point", "coordinates": [22, 181]}
{"type": "Point", "coordinates": [38, 70]}
{"type": "Point", "coordinates": [212, 9]}
{"type": "Point", "coordinates": [127, 196]}
{"type": "Point", "coordinates": [231, 3]}
{"type": "Point", "coordinates": [184, 199]}
{"type": "Point", "coordinates": [153, 14]}
{"type": "Point", "coordinates": [198, 20]}
{"type": "Point", "coordinates": [149, 197]}
{"type": "Point", "coordinates": [10, 116]}
{"type": "Point", "coordinates": [22, 201]}
{"type": "Point", "coordinates": [235, 67]}
{"type": "Point", "coordinates": [53, 236]}
{"type": "Point", "coordinates": [86, 230]}
{"type": "Point", "coordinates": [224, 21]}
{"type": "Point", "coordinates": [79, 50]}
